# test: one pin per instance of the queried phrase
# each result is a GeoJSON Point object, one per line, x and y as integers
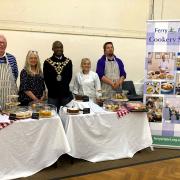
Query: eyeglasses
{"type": "Point", "coordinates": [32, 51]}
{"type": "Point", "coordinates": [2, 43]}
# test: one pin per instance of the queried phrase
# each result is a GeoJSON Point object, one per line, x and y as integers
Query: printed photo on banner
{"type": "Point", "coordinates": [171, 109]}
{"type": "Point", "coordinates": [178, 84]}
{"type": "Point", "coordinates": [154, 106]}
{"type": "Point", "coordinates": [160, 65]}
{"type": "Point", "coordinates": [178, 61]}
{"type": "Point", "coordinates": [167, 87]}
{"type": "Point", "coordinates": [152, 87]}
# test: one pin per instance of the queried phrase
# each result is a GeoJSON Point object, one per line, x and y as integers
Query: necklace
{"type": "Point", "coordinates": [58, 66]}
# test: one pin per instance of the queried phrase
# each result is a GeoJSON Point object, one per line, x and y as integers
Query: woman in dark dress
{"type": "Point", "coordinates": [32, 87]}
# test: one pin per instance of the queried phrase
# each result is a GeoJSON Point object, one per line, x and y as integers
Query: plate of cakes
{"type": "Point", "coordinates": [19, 111]}
{"type": "Point", "coordinates": [136, 107]}
{"type": "Point", "coordinates": [119, 97]}
{"type": "Point", "coordinates": [73, 110]}
{"type": "Point", "coordinates": [110, 105]}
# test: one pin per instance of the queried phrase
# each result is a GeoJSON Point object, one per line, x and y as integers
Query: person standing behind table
{"type": "Point", "coordinates": [87, 82]}
{"type": "Point", "coordinates": [173, 113]}
{"type": "Point", "coordinates": [32, 87]}
{"type": "Point", "coordinates": [166, 112]}
{"type": "Point", "coordinates": [57, 75]}
{"type": "Point", "coordinates": [8, 73]}
{"type": "Point", "coordinates": [111, 71]}
{"type": "Point", "coordinates": [163, 65]}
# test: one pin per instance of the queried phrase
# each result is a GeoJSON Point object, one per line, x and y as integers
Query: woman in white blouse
{"type": "Point", "coordinates": [87, 82]}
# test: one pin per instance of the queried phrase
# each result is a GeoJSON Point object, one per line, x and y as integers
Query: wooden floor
{"type": "Point", "coordinates": [162, 170]}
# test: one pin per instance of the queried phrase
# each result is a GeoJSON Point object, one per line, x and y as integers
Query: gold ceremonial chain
{"type": "Point", "coordinates": [58, 66]}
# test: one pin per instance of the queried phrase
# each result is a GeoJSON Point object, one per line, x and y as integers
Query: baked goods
{"type": "Point", "coordinates": [44, 110]}
{"type": "Point", "coordinates": [14, 96]}
{"type": "Point", "coordinates": [157, 72]}
{"type": "Point", "coordinates": [23, 114]}
{"type": "Point", "coordinates": [83, 98]}
{"type": "Point", "coordinates": [166, 86]}
{"type": "Point", "coordinates": [73, 110]}
{"type": "Point", "coordinates": [111, 107]}
{"type": "Point", "coordinates": [37, 106]}
{"type": "Point", "coordinates": [162, 76]}
{"type": "Point", "coordinates": [159, 75]}
{"type": "Point", "coordinates": [12, 101]}
{"type": "Point", "coordinates": [178, 64]}
{"type": "Point", "coordinates": [151, 73]}
{"type": "Point", "coordinates": [136, 106]}
{"type": "Point", "coordinates": [169, 76]}
{"type": "Point", "coordinates": [11, 104]}
{"type": "Point", "coordinates": [101, 100]}
{"type": "Point", "coordinates": [33, 106]}
{"type": "Point", "coordinates": [78, 97]}
{"type": "Point", "coordinates": [45, 113]}
{"type": "Point", "coordinates": [19, 111]}
{"type": "Point", "coordinates": [119, 97]}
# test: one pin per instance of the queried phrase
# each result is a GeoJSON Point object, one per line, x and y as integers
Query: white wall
{"type": "Point", "coordinates": [95, 17]}
{"type": "Point", "coordinates": [167, 9]}
{"type": "Point", "coordinates": [76, 47]}
{"type": "Point", "coordinates": [83, 26]}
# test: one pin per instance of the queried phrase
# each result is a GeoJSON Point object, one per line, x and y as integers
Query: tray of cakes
{"type": "Point", "coordinates": [20, 112]}
{"type": "Point", "coordinates": [110, 105]}
{"type": "Point", "coordinates": [44, 110]}
{"type": "Point", "coordinates": [73, 110]}
{"type": "Point", "coordinates": [136, 106]}
{"type": "Point", "coordinates": [119, 97]}
{"type": "Point", "coordinates": [12, 102]}
{"type": "Point", "coordinates": [12, 108]}
{"type": "Point", "coordinates": [82, 98]}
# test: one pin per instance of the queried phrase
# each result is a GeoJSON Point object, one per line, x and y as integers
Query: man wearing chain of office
{"type": "Point", "coordinates": [57, 75]}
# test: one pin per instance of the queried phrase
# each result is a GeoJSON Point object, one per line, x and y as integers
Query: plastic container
{"type": "Point", "coordinates": [44, 110]}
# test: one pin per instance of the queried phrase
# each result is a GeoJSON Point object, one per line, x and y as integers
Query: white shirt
{"type": "Point", "coordinates": [163, 65]}
{"type": "Point", "coordinates": [87, 84]}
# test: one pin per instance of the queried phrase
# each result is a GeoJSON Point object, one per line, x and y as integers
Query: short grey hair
{"type": "Point", "coordinates": [3, 37]}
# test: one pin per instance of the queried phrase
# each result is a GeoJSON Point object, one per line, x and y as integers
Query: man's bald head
{"type": "Point", "coordinates": [57, 47]}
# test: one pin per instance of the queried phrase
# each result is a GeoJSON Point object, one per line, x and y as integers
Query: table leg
{"type": "Point", "coordinates": [152, 148]}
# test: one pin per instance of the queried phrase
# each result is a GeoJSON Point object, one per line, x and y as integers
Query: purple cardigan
{"type": "Point", "coordinates": [101, 66]}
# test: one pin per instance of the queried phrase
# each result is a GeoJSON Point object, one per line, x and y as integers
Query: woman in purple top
{"type": "Point", "coordinates": [111, 71]}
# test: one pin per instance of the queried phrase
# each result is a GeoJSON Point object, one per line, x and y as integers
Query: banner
{"type": "Point", "coordinates": [162, 82]}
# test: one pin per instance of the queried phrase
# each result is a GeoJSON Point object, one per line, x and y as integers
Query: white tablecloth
{"type": "Point", "coordinates": [104, 136]}
{"type": "Point", "coordinates": [27, 146]}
